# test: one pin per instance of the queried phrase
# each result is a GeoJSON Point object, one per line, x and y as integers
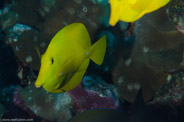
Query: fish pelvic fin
{"type": "Point", "coordinates": [98, 50]}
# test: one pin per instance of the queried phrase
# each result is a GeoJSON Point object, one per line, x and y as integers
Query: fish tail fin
{"type": "Point", "coordinates": [98, 50]}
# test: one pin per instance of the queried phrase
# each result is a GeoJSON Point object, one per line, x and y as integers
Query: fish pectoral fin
{"type": "Point", "coordinates": [77, 76]}
{"type": "Point", "coordinates": [64, 80]}
{"type": "Point", "coordinates": [70, 66]}
{"type": "Point", "coordinates": [67, 77]}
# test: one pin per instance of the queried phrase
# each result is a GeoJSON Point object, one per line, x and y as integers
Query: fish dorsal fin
{"type": "Point", "coordinates": [72, 34]}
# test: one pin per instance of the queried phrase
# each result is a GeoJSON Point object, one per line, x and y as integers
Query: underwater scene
{"type": "Point", "coordinates": [92, 60]}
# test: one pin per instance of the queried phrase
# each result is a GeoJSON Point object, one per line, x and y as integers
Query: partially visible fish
{"type": "Point", "coordinates": [132, 10]}
{"type": "Point", "coordinates": [100, 115]}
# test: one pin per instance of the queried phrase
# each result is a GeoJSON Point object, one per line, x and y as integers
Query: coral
{"type": "Point", "coordinates": [20, 103]}
{"type": "Point", "coordinates": [172, 93]}
{"type": "Point", "coordinates": [170, 97]}
{"type": "Point", "coordinates": [53, 107]}
{"type": "Point", "coordinates": [176, 14]}
{"type": "Point", "coordinates": [95, 94]}
{"type": "Point", "coordinates": [11, 108]}
{"type": "Point", "coordinates": [92, 93]}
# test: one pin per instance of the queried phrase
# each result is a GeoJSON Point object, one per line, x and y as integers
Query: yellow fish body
{"type": "Point", "coordinates": [67, 57]}
{"type": "Point", "coordinates": [132, 10]}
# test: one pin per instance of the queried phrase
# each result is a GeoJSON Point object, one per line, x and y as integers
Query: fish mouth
{"type": "Point", "coordinates": [36, 85]}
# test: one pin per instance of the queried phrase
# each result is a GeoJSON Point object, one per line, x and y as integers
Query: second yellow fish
{"type": "Point", "coordinates": [132, 10]}
{"type": "Point", "coordinates": [67, 57]}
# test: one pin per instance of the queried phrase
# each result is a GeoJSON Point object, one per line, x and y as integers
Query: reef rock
{"type": "Point", "coordinates": [50, 106]}
{"type": "Point", "coordinates": [92, 93]}
{"type": "Point", "coordinates": [158, 49]}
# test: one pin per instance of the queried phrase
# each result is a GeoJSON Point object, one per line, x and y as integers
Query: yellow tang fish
{"type": "Point", "coordinates": [132, 10]}
{"type": "Point", "coordinates": [67, 57]}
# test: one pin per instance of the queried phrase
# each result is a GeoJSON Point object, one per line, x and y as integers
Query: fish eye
{"type": "Point", "coordinates": [52, 60]}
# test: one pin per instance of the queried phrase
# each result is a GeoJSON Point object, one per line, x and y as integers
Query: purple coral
{"type": "Point", "coordinates": [87, 99]}
{"type": "Point", "coordinates": [20, 103]}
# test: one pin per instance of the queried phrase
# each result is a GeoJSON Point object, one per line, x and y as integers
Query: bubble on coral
{"type": "Point", "coordinates": [28, 59]}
